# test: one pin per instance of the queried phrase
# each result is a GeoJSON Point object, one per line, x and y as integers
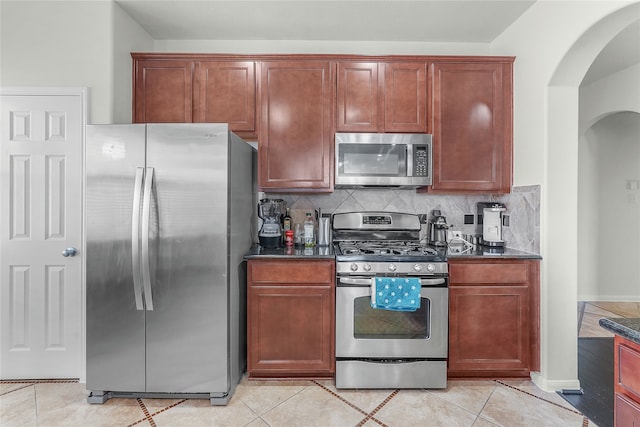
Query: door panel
{"type": "Point", "coordinates": [187, 346]}
{"type": "Point", "coordinates": [163, 91]}
{"type": "Point", "coordinates": [115, 326]}
{"type": "Point", "coordinates": [40, 216]}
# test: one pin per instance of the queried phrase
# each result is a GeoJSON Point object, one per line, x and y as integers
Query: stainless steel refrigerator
{"type": "Point", "coordinates": [169, 214]}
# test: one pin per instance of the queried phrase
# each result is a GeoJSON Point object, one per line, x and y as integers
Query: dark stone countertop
{"type": "Point", "coordinates": [453, 252]}
{"type": "Point", "coordinates": [627, 328]}
{"type": "Point", "coordinates": [316, 252]}
{"type": "Point", "coordinates": [459, 252]}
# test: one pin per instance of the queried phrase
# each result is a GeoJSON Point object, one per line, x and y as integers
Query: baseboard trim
{"type": "Point", "coordinates": [554, 385]}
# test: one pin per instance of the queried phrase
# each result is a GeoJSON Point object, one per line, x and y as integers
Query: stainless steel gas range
{"type": "Point", "coordinates": [389, 346]}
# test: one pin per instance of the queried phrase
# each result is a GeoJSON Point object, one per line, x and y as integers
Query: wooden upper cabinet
{"type": "Point", "coordinates": [296, 130]}
{"type": "Point", "coordinates": [357, 100]}
{"type": "Point", "coordinates": [381, 97]}
{"type": "Point", "coordinates": [405, 97]}
{"type": "Point", "coordinates": [225, 92]}
{"type": "Point", "coordinates": [472, 127]}
{"type": "Point", "coordinates": [163, 91]}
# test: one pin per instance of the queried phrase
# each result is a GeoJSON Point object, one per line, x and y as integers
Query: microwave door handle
{"type": "Point", "coordinates": [409, 160]}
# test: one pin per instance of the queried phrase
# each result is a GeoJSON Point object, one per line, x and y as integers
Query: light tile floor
{"type": "Point", "coordinates": [312, 403]}
{"type": "Point", "coordinates": [295, 403]}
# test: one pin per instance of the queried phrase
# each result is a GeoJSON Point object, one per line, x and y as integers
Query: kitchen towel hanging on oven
{"type": "Point", "coordinates": [395, 293]}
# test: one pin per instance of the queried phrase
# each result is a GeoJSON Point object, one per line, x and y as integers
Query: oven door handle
{"type": "Point", "coordinates": [355, 282]}
{"type": "Point", "coordinates": [433, 282]}
{"type": "Point", "coordinates": [369, 281]}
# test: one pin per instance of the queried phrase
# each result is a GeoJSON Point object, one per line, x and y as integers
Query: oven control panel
{"type": "Point", "coordinates": [407, 268]}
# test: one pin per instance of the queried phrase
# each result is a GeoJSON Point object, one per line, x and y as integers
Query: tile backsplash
{"type": "Point", "coordinates": [523, 208]}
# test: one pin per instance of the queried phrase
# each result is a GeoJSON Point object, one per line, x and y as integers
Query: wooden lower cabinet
{"type": "Point", "coordinates": [493, 318]}
{"type": "Point", "coordinates": [290, 325]}
{"type": "Point", "coordinates": [626, 365]}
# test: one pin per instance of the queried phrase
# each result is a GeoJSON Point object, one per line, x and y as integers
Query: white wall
{"type": "Point", "coordinates": [613, 93]}
{"type": "Point", "coordinates": [613, 235]}
{"type": "Point", "coordinates": [59, 43]}
{"type": "Point", "coordinates": [608, 147]}
{"type": "Point", "coordinates": [72, 43]}
{"type": "Point", "coordinates": [129, 37]}
{"type": "Point", "coordinates": [321, 47]}
{"type": "Point", "coordinates": [555, 42]}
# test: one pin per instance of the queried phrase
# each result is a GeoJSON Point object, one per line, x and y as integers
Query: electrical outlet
{"type": "Point", "coordinates": [468, 219]}
{"type": "Point", "coordinates": [454, 234]}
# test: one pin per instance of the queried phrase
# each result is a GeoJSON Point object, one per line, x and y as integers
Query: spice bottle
{"type": "Point", "coordinates": [288, 238]}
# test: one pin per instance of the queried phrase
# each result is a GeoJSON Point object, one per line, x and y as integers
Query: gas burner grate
{"type": "Point", "coordinates": [401, 248]}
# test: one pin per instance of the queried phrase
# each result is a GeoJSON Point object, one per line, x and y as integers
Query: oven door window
{"type": "Point", "coordinates": [375, 323]}
{"type": "Point", "coordinates": [388, 160]}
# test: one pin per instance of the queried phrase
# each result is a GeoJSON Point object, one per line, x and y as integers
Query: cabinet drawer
{"type": "Point", "coordinates": [488, 273]}
{"type": "Point", "coordinates": [626, 412]}
{"type": "Point", "coordinates": [628, 368]}
{"type": "Point", "coordinates": [291, 271]}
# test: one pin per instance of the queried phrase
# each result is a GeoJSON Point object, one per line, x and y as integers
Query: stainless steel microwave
{"type": "Point", "coordinates": [383, 160]}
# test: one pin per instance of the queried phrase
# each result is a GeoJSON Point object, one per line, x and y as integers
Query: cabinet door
{"type": "Point", "coordinates": [488, 328]}
{"type": "Point", "coordinates": [472, 127]}
{"type": "Point", "coordinates": [494, 318]}
{"type": "Point", "coordinates": [296, 130]}
{"type": "Point", "coordinates": [405, 97]}
{"type": "Point", "coordinates": [163, 91]}
{"type": "Point", "coordinates": [226, 93]}
{"type": "Point", "coordinates": [357, 97]}
{"type": "Point", "coordinates": [290, 331]}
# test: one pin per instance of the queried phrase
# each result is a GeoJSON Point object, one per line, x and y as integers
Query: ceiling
{"type": "Point", "coordinates": [473, 21]}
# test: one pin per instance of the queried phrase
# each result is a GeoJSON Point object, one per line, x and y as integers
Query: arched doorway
{"type": "Point", "coordinates": [561, 213]}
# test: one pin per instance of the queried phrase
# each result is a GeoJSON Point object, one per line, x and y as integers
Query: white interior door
{"type": "Point", "coordinates": [41, 187]}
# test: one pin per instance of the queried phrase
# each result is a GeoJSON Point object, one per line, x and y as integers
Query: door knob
{"type": "Point", "coordinates": [69, 252]}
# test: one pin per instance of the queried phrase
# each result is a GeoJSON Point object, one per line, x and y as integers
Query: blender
{"type": "Point", "coordinates": [270, 211]}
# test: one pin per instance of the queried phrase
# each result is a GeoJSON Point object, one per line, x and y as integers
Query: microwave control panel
{"type": "Point", "coordinates": [420, 161]}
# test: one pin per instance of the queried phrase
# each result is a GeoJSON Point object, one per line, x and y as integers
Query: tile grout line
{"type": "Point", "coordinates": [377, 408]}
{"type": "Point", "coordinates": [540, 398]}
{"type": "Point", "coordinates": [485, 403]}
{"type": "Point", "coordinates": [368, 416]}
{"type": "Point", "coordinates": [168, 407]}
{"type": "Point", "coordinates": [147, 416]}
{"type": "Point", "coordinates": [19, 388]}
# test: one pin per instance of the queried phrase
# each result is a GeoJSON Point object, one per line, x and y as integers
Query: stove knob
{"type": "Point", "coordinates": [417, 267]}
{"type": "Point", "coordinates": [354, 267]}
{"type": "Point", "coordinates": [367, 267]}
{"type": "Point", "coordinates": [392, 267]}
{"type": "Point", "coordinates": [431, 267]}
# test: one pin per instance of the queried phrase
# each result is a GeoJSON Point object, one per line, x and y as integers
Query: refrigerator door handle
{"type": "Point", "coordinates": [146, 213]}
{"type": "Point", "coordinates": [135, 239]}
